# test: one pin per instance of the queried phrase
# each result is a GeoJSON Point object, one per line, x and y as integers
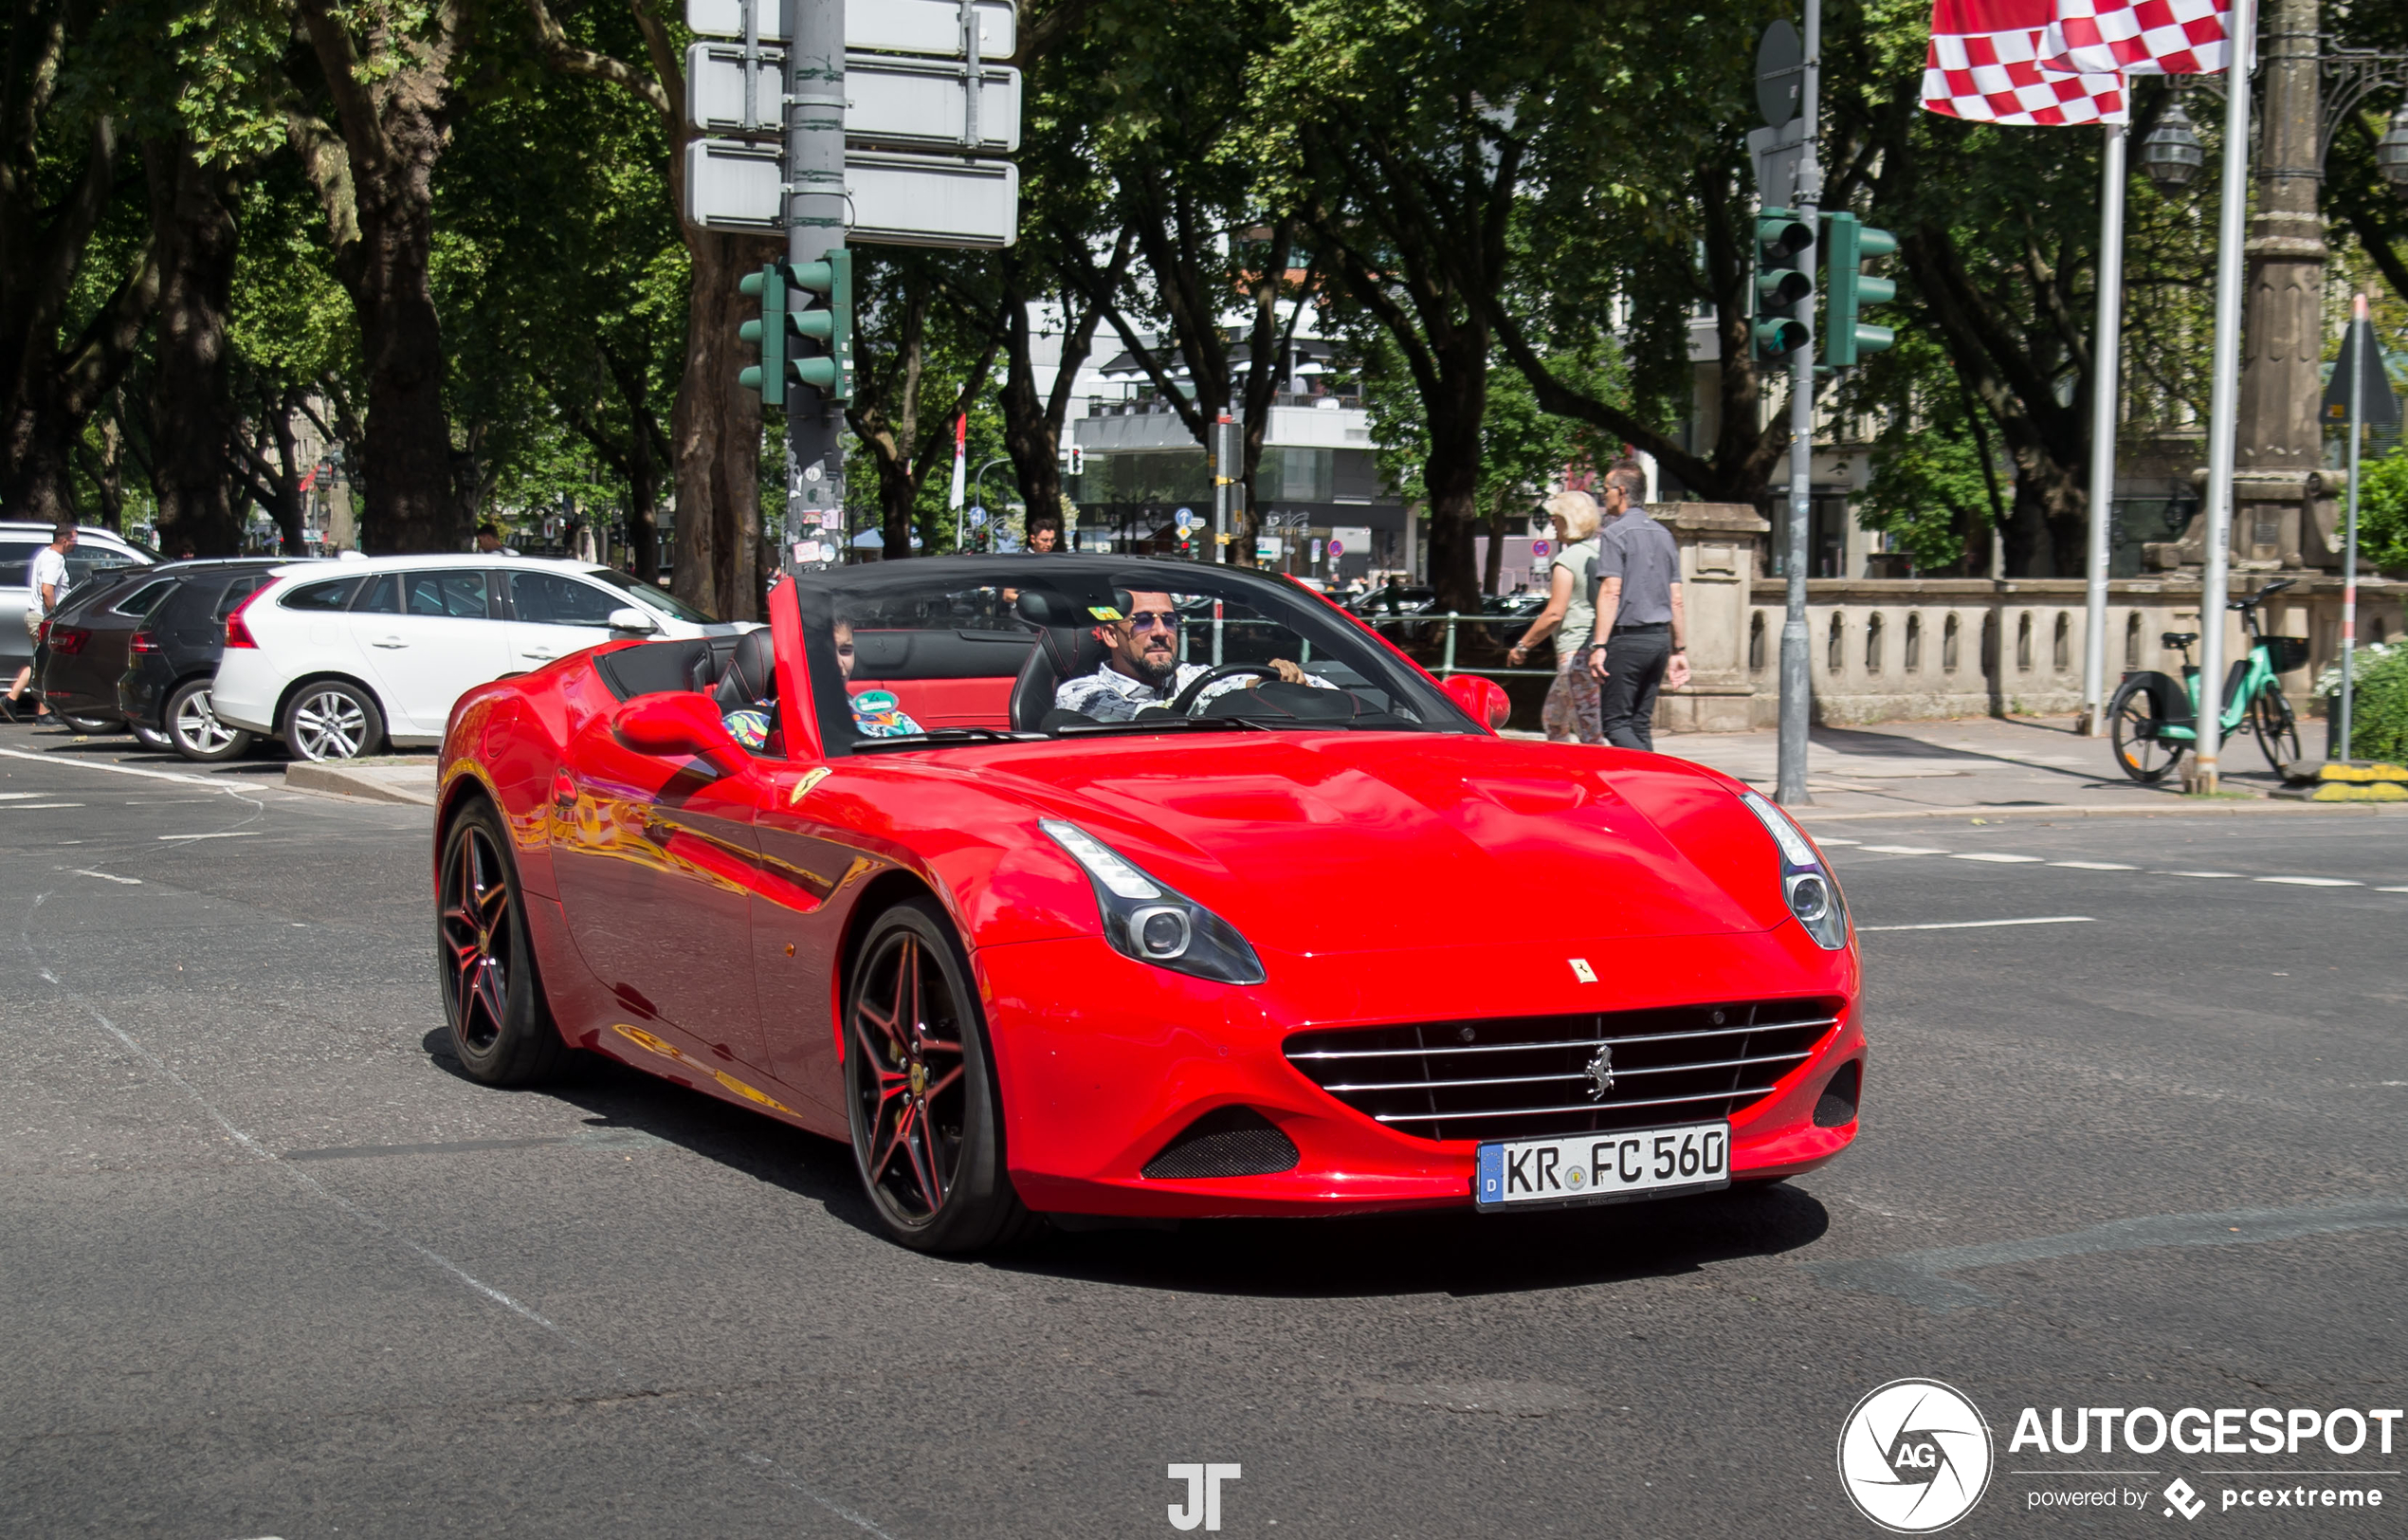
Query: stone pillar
{"type": "Point", "coordinates": [1719, 544]}
{"type": "Point", "coordinates": [2280, 445]}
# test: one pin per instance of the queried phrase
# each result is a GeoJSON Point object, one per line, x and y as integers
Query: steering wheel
{"type": "Point", "coordinates": [1184, 702]}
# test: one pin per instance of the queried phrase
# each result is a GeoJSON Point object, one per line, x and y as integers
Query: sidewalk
{"type": "Point", "coordinates": [2021, 765]}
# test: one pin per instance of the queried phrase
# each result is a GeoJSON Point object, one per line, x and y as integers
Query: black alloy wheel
{"type": "Point", "coordinates": [2132, 723]}
{"type": "Point", "coordinates": [2277, 727]}
{"type": "Point", "coordinates": [492, 1001]}
{"type": "Point", "coordinates": [193, 729]}
{"type": "Point", "coordinates": [920, 1089]}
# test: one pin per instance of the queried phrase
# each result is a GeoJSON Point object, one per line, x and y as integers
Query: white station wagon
{"type": "Point", "coordinates": [336, 659]}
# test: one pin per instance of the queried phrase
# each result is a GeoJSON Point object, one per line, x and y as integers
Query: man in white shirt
{"type": "Point", "coordinates": [1143, 667]}
{"type": "Point", "coordinates": [46, 586]}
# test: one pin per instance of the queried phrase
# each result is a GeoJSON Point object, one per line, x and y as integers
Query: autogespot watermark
{"type": "Point", "coordinates": [1915, 1455]}
{"type": "Point", "coordinates": [1203, 1504]}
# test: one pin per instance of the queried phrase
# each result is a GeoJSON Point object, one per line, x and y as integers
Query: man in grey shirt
{"type": "Point", "coordinates": [1640, 643]}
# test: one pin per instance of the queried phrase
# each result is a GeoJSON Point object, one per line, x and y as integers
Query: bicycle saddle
{"type": "Point", "coordinates": [2180, 638]}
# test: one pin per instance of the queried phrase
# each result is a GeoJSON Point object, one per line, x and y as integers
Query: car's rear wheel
{"type": "Point", "coordinates": [920, 1092]}
{"type": "Point", "coordinates": [149, 736]}
{"type": "Point", "coordinates": [193, 729]}
{"type": "Point", "coordinates": [332, 718]}
{"type": "Point", "coordinates": [492, 1001]}
{"type": "Point", "coordinates": [85, 721]}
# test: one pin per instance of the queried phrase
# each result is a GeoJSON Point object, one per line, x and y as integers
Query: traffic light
{"type": "Point", "coordinates": [1845, 337]}
{"type": "Point", "coordinates": [825, 316]}
{"type": "Point", "coordinates": [829, 322]}
{"type": "Point", "coordinates": [1784, 280]}
{"type": "Point", "coordinates": [769, 375]}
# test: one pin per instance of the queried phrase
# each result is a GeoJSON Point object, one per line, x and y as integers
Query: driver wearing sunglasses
{"type": "Point", "coordinates": [1141, 667]}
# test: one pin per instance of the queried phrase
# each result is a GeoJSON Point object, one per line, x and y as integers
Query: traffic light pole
{"type": "Point", "coordinates": [814, 120]}
{"type": "Point", "coordinates": [1796, 684]}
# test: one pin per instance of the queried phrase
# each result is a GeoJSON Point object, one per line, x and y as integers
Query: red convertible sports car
{"type": "Point", "coordinates": [1083, 886]}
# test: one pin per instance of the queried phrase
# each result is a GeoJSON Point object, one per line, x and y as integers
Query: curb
{"type": "Point", "coordinates": [364, 782]}
{"type": "Point", "coordinates": [2078, 810]}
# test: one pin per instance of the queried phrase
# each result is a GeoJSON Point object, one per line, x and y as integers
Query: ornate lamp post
{"type": "Point", "coordinates": [2391, 153]}
{"type": "Point", "coordinates": [2172, 155]}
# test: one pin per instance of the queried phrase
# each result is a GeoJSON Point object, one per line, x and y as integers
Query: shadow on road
{"type": "Point", "coordinates": [1452, 1252]}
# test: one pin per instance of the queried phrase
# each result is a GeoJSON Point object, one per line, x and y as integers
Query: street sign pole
{"type": "Point", "coordinates": [2106, 386]}
{"type": "Point", "coordinates": [1797, 683]}
{"type": "Point", "coordinates": [814, 119]}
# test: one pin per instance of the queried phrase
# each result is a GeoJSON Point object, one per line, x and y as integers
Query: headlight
{"type": "Point", "coordinates": [1149, 921]}
{"type": "Point", "coordinates": [1813, 892]}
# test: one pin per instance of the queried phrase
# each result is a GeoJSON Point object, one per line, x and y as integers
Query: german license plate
{"type": "Point", "coordinates": [1603, 1167]}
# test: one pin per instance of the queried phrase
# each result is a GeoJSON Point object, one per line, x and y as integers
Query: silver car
{"type": "Point", "coordinates": [96, 550]}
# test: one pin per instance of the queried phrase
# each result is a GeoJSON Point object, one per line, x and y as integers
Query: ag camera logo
{"type": "Point", "coordinates": [1914, 1456]}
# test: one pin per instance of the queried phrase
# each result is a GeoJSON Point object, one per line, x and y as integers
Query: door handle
{"type": "Point", "coordinates": [390, 641]}
{"type": "Point", "coordinates": [541, 655]}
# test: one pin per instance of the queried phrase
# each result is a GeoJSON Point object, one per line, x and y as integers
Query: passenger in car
{"type": "Point", "coordinates": [876, 712]}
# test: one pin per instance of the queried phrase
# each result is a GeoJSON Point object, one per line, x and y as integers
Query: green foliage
{"type": "Point", "coordinates": [1927, 488]}
{"type": "Point", "coordinates": [2379, 704]}
{"type": "Point", "coordinates": [2382, 512]}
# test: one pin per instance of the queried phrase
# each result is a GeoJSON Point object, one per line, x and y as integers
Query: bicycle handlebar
{"type": "Point", "coordinates": [2264, 594]}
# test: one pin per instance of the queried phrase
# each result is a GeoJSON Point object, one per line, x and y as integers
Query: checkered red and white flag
{"type": "Point", "coordinates": [1984, 65]}
{"type": "Point", "coordinates": [2139, 37]}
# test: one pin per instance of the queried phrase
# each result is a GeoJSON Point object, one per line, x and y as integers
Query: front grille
{"type": "Point", "coordinates": [1540, 1076]}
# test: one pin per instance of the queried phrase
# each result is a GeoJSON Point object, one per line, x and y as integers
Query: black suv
{"type": "Point", "coordinates": [173, 657]}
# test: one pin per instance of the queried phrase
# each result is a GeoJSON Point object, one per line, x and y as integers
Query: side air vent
{"type": "Point", "coordinates": [1228, 1142]}
{"type": "Point", "coordinates": [1836, 1108]}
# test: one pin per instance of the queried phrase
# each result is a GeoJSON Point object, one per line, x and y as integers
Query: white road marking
{"type": "Point", "coordinates": [2096, 865]}
{"type": "Point", "coordinates": [230, 833]}
{"type": "Point", "coordinates": [2392, 889]}
{"type": "Point", "coordinates": [37, 807]}
{"type": "Point", "coordinates": [19, 797]}
{"type": "Point", "coordinates": [130, 882]}
{"type": "Point", "coordinates": [1905, 849]}
{"type": "Point", "coordinates": [1827, 839]}
{"type": "Point", "coordinates": [119, 770]}
{"type": "Point", "coordinates": [2194, 874]}
{"type": "Point", "coordinates": [1991, 855]}
{"type": "Point", "coordinates": [1981, 924]}
{"type": "Point", "coordinates": [2315, 882]}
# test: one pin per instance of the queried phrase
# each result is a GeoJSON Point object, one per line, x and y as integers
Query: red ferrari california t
{"type": "Point", "coordinates": [1083, 886]}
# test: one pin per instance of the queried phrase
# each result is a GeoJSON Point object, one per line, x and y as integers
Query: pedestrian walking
{"type": "Point", "coordinates": [1571, 706]}
{"type": "Point", "coordinates": [1640, 637]}
{"type": "Point", "coordinates": [45, 585]}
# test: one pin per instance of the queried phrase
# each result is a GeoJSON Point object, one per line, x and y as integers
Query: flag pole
{"type": "Point", "coordinates": [2106, 393]}
{"type": "Point", "coordinates": [2337, 745]}
{"type": "Point", "coordinates": [2222, 425]}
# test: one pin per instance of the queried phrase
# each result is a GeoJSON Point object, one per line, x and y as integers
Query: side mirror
{"type": "Point", "coordinates": [676, 725]}
{"type": "Point", "coordinates": [634, 621]}
{"type": "Point", "coordinates": [1485, 699]}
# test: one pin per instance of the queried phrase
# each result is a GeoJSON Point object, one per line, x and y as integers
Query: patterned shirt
{"type": "Point", "coordinates": [1109, 696]}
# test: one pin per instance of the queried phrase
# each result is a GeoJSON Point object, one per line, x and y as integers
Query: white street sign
{"type": "Point", "coordinates": [906, 103]}
{"type": "Point", "coordinates": [930, 26]}
{"type": "Point", "coordinates": [931, 200]}
{"type": "Point", "coordinates": [731, 185]}
{"type": "Point", "coordinates": [897, 199]}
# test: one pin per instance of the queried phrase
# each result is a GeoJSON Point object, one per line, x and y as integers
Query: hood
{"type": "Point", "coordinates": [1348, 842]}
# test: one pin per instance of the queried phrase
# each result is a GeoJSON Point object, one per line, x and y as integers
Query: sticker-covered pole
{"type": "Point", "coordinates": [1797, 689]}
{"type": "Point", "coordinates": [816, 225]}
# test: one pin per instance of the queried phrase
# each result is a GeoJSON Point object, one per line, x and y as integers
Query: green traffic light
{"type": "Point", "coordinates": [1852, 243]}
{"type": "Point", "coordinates": [769, 376]}
{"type": "Point", "coordinates": [1779, 338]}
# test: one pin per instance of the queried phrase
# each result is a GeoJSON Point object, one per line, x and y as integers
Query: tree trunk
{"type": "Point", "coordinates": [715, 434]}
{"type": "Point", "coordinates": [191, 408]}
{"type": "Point", "coordinates": [1031, 436]}
{"type": "Point", "coordinates": [1452, 476]}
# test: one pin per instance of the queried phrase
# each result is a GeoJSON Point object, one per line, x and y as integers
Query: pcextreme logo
{"type": "Point", "coordinates": [1914, 1456]}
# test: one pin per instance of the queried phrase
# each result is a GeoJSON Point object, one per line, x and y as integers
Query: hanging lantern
{"type": "Point", "coordinates": [2172, 154]}
{"type": "Point", "coordinates": [2391, 153]}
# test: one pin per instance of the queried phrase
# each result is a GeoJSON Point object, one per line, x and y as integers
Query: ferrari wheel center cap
{"type": "Point", "coordinates": [918, 1079]}
{"type": "Point", "coordinates": [485, 940]}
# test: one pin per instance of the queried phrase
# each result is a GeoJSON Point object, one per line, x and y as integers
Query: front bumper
{"type": "Point", "coordinates": [1097, 1078]}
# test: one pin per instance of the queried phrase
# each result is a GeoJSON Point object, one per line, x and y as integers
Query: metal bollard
{"type": "Point", "coordinates": [1448, 667]}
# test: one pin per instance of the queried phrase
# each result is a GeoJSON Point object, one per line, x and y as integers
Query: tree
{"type": "Point", "coordinates": [73, 300]}
{"type": "Point", "coordinates": [925, 339]}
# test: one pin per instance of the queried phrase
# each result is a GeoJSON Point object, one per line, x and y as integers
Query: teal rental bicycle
{"type": "Point", "coordinates": [2152, 719]}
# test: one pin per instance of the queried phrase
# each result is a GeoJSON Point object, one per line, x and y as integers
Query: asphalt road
{"type": "Point", "coordinates": [270, 1267]}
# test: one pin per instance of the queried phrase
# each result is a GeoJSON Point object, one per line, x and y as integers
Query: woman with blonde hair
{"type": "Point", "coordinates": [1571, 699]}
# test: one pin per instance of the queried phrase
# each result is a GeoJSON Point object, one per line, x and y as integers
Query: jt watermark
{"type": "Point", "coordinates": [1203, 1504]}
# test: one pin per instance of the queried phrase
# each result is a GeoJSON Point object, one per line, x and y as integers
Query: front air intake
{"type": "Point", "coordinates": [1228, 1142]}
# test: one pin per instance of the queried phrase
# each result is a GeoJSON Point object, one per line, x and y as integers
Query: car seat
{"type": "Point", "coordinates": [1062, 652]}
{"type": "Point", "coordinates": [752, 672]}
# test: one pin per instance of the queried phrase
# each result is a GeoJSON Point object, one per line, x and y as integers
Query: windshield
{"type": "Point", "coordinates": [982, 649]}
{"type": "Point", "coordinates": [653, 595]}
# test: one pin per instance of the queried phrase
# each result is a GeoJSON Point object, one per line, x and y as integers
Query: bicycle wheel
{"type": "Point", "coordinates": [2278, 727]}
{"type": "Point", "coordinates": [2132, 723]}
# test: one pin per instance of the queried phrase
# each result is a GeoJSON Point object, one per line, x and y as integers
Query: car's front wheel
{"type": "Point", "coordinates": [332, 718]}
{"type": "Point", "coordinates": [193, 729]}
{"type": "Point", "coordinates": [920, 1089]}
{"type": "Point", "coordinates": [493, 1002]}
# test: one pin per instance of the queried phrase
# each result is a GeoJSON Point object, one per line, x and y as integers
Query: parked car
{"type": "Point", "coordinates": [96, 550]}
{"type": "Point", "coordinates": [168, 661]}
{"type": "Point", "coordinates": [86, 645]}
{"type": "Point", "coordinates": [338, 662]}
